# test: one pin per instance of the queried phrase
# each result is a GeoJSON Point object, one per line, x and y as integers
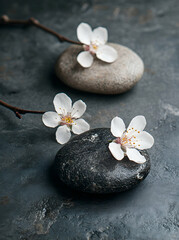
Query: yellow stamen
{"type": "Point", "coordinates": [94, 46]}
{"type": "Point", "coordinates": [67, 120]}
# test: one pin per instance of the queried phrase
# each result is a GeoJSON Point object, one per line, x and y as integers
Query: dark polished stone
{"type": "Point", "coordinates": [86, 164]}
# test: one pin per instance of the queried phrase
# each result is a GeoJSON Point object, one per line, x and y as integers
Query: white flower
{"type": "Point", "coordinates": [67, 117]}
{"type": "Point", "coordinates": [128, 141]}
{"type": "Point", "coordinates": [94, 44]}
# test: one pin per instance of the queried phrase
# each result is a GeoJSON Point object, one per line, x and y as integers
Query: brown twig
{"type": "Point", "coordinates": [19, 111]}
{"type": "Point", "coordinates": [5, 20]}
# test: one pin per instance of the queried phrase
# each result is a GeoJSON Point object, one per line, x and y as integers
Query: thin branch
{"type": "Point", "coordinates": [5, 20]}
{"type": "Point", "coordinates": [18, 111]}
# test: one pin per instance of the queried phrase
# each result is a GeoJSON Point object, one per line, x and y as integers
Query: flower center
{"type": "Point", "coordinates": [67, 120]}
{"type": "Point", "coordinates": [92, 48]}
{"type": "Point", "coordinates": [125, 140]}
{"type": "Point", "coordinates": [95, 47]}
{"type": "Point", "coordinates": [128, 139]}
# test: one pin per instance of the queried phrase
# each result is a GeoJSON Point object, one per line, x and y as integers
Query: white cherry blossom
{"type": "Point", "coordinates": [67, 117]}
{"type": "Point", "coordinates": [94, 44]}
{"type": "Point", "coordinates": [128, 141]}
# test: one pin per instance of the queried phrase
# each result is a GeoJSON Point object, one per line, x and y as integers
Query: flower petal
{"type": "Point", "coordinates": [80, 126]}
{"type": "Point", "coordinates": [135, 156]}
{"type": "Point", "coordinates": [117, 127]}
{"type": "Point", "coordinates": [106, 53]}
{"type": "Point", "coordinates": [144, 140]}
{"type": "Point", "coordinates": [51, 119]}
{"type": "Point", "coordinates": [84, 33]}
{"type": "Point", "coordinates": [63, 134]}
{"type": "Point", "coordinates": [116, 151]}
{"type": "Point", "coordinates": [62, 103]}
{"type": "Point", "coordinates": [78, 109]}
{"type": "Point", "coordinates": [85, 59]}
{"type": "Point", "coordinates": [100, 35]}
{"type": "Point", "coordinates": [138, 123]}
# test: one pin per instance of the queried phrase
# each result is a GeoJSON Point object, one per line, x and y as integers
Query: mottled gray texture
{"type": "Point", "coordinates": [86, 164]}
{"type": "Point", "coordinates": [28, 148]}
{"type": "Point", "coordinates": [101, 77]}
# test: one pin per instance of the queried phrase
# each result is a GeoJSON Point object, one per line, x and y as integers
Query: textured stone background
{"type": "Point", "coordinates": [31, 206]}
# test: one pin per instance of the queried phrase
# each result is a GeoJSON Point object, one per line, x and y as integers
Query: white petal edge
{"type": "Point", "coordinates": [116, 151]}
{"type": "Point", "coordinates": [63, 134]}
{"type": "Point", "coordinates": [144, 140]}
{"type": "Point", "coordinates": [84, 33]}
{"type": "Point", "coordinates": [106, 53]}
{"type": "Point", "coordinates": [51, 119]}
{"type": "Point", "coordinates": [78, 109]}
{"type": "Point", "coordinates": [80, 126]}
{"type": "Point", "coordinates": [138, 123]}
{"type": "Point", "coordinates": [117, 127]}
{"type": "Point", "coordinates": [100, 35]}
{"type": "Point", "coordinates": [135, 156]}
{"type": "Point", "coordinates": [85, 59]}
{"type": "Point", "coordinates": [62, 103]}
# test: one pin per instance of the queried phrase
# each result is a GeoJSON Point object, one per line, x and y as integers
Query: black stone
{"type": "Point", "coordinates": [86, 164]}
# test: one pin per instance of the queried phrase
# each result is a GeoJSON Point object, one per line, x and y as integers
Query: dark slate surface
{"type": "Point", "coordinates": [86, 164]}
{"type": "Point", "coordinates": [31, 207]}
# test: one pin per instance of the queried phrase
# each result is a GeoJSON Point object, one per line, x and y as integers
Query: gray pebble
{"type": "Point", "coordinates": [101, 77]}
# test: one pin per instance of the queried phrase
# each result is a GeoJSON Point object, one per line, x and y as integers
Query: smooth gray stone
{"type": "Point", "coordinates": [101, 77]}
{"type": "Point", "coordinates": [86, 164]}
